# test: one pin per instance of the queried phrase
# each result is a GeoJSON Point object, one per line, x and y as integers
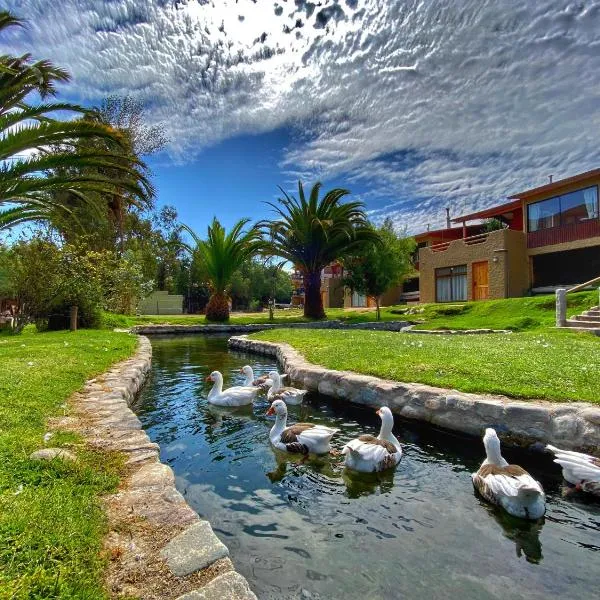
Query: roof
{"type": "Point", "coordinates": [555, 185]}
{"type": "Point", "coordinates": [494, 211]}
{"type": "Point", "coordinates": [441, 232]}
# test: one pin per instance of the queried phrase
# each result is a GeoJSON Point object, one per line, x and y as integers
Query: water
{"type": "Point", "coordinates": [312, 530]}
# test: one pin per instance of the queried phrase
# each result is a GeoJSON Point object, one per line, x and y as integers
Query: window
{"type": "Point", "coordinates": [451, 284]}
{"type": "Point", "coordinates": [560, 211]}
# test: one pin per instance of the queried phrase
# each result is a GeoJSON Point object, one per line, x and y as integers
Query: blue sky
{"type": "Point", "coordinates": [411, 105]}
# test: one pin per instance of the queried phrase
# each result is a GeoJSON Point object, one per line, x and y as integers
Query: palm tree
{"type": "Point", "coordinates": [313, 233]}
{"type": "Point", "coordinates": [41, 156]}
{"type": "Point", "coordinates": [221, 254]}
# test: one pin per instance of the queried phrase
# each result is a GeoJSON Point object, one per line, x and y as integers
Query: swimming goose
{"type": "Point", "coordinates": [290, 395]}
{"type": "Point", "coordinates": [508, 486]}
{"type": "Point", "coordinates": [264, 381]}
{"type": "Point", "coordinates": [303, 438]}
{"type": "Point", "coordinates": [581, 470]}
{"type": "Point", "coordinates": [234, 396]}
{"type": "Point", "coordinates": [368, 453]}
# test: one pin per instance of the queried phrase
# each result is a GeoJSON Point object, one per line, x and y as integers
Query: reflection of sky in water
{"type": "Point", "coordinates": [416, 532]}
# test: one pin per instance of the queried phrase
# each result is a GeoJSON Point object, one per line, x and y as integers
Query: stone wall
{"type": "Point", "coordinates": [568, 425]}
{"type": "Point", "coordinates": [156, 539]}
{"type": "Point", "coordinates": [231, 328]}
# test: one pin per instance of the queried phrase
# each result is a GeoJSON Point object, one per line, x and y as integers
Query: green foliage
{"type": "Point", "coordinates": [254, 283]}
{"type": "Point", "coordinates": [48, 279]}
{"type": "Point", "coordinates": [494, 225]}
{"type": "Point", "coordinates": [220, 256]}
{"type": "Point", "coordinates": [376, 267]}
{"type": "Point", "coordinates": [311, 233]}
{"type": "Point", "coordinates": [49, 164]}
{"type": "Point", "coordinates": [51, 521]}
{"type": "Point", "coordinates": [551, 365]}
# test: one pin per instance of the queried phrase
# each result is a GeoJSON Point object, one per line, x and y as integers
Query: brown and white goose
{"type": "Point", "coordinates": [368, 453]}
{"type": "Point", "coordinates": [303, 438]}
{"type": "Point", "coordinates": [290, 395]}
{"type": "Point", "coordinates": [263, 382]}
{"type": "Point", "coordinates": [580, 470]}
{"type": "Point", "coordinates": [508, 486]}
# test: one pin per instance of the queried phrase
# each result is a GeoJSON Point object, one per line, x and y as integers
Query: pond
{"type": "Point", "coordinates": [311, 530]}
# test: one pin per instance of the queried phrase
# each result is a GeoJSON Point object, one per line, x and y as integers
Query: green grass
{"type": "Point", "coordinates": [517, 314]}
{"type": "Point", "coordinates": [51, 522]}
{"type": "Point", "coordinates": [553, 365]}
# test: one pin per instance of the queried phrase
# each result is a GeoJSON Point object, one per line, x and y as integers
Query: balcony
{"type": "Point", "coordinates": [564, 234]}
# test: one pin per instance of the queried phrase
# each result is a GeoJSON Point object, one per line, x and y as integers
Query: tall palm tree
{"type": "Point", "coordinates": [312, 233]}
{"type": "Point", "coordinates": [41, 155]}
{"type": "Point", "coordinates": [221, 254]}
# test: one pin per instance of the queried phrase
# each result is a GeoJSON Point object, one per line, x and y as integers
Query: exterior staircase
{"type": "Point", "coordinates": [587, 321]}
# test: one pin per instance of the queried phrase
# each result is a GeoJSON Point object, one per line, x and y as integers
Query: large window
{"type": "Point", "coordinates": [568, 209]}
{"type": "Point", "coordinates": [451, 284]}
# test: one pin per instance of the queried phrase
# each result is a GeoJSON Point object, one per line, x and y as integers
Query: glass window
{"type": "Point", "coordinates": [560, 211]}
{"type": "Point", "coordinates": [451, 284]}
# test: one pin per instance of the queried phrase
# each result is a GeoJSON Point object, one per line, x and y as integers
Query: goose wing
{"type": "Point", "coordinates": [509, 481]}
{"type": "Point", "coordinates": [367, 450]}
{"type": "Point", "coordinates": [316, 433]}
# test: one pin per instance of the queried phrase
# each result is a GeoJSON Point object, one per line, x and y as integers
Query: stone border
{"type": "Point", "coordinates": [455, 331]}
{"type": "Point", "coordinates": [154, 532]}
{"type": "Point", "coordinates": [232, 328]}
{"type": "Point", "coordinates": [568, 425]}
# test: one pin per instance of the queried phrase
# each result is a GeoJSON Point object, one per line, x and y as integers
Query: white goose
{"type": "Point", "coordinates": [508, 486]}
{"type": "Point", "coordinates": [303, 438]}
{"type": "Point", "coordinates": [368, 453]}
{"type": "Point", "coordinates": [289, 395]}
{"type": "Point", "coordinates": [581, 470]}
{"type": "Point", "coordinates": [234, 396]}
{"type": "Point", "coordinates": [264, 381]}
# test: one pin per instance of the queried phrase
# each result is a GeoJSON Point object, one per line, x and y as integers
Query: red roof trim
{"type": "Point", "coordinates": [494, 211]}
{"type": "Point", "coordinates": [556, 185]}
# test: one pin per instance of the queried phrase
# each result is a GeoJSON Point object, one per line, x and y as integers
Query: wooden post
{"type": "Point", "coordinates": [73, 315]}
{"type": "Point", "coordinates": [561, 307]}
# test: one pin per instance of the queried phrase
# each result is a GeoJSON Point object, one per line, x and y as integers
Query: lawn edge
{"type": "Point", "coordinates": [148, 519]}
{"type": "Point", "coordinates": [573, 425]}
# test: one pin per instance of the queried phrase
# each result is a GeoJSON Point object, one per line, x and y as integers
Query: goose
{"type": "Point", "coordinates": [234, 396]}
{"type": "Point", "coordinates": [264, 381]}
{"type": "Point", "coordinates": [303, 438]}
{"type": "Point", "coordinates": [580, 470]}
{"type": "Point", "coordinates": [368, 453]}
{"type": "Point", "coordinates": [290, 395]}
{"type": "Point", "coordinates": [508, 486]}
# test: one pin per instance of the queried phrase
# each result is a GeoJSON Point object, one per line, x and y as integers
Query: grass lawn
{"type": "Point", "coordinates": [51, 523]}
{"type": "Point", "coordinates": [517, 314]}
{"type": "Point", "coordinates": [553, 365]}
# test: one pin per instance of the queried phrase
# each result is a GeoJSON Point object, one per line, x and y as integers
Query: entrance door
{"type": "Point", "coordinates": [480, 275]}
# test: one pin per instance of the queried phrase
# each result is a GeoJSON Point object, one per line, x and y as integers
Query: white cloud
{"type": "Point", "coordinates": [450, 102]}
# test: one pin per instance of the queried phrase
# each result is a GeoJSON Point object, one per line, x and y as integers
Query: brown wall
{"type": "Point", "coordinates": [506, 253]}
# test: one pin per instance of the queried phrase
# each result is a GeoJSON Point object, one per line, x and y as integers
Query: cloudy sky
{"type": "Point", "coordinates": [412, 105]}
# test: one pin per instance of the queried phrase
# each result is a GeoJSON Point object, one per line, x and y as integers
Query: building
{"type": "Point", "coordinates": [550, 237]}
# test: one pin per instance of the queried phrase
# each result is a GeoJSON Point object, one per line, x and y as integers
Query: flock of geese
{"type": "Point", "coordinates": [509, 486]}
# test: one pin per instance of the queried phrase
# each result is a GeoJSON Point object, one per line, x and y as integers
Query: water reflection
{"type": "Point", "coordinates": [310, 528]}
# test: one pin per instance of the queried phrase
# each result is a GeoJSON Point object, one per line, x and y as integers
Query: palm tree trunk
{"type": "Point", "coordinates": [313, 301]}
{"type": "Point", "coordinates": [217, 308]}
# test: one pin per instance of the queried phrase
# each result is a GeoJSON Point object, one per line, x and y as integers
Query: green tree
{"type": "Point", "coordinates": [375, 268]}
{"type": "Point", "coordinates": [221, 255]}
{"type": "Point", "coordinates": [312, 233]}
{"type": "Point", "coordinates": [44, 160]}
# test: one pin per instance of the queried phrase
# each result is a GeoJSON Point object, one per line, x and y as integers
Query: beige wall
{"type": "Point", "coordinates": [506, 253]}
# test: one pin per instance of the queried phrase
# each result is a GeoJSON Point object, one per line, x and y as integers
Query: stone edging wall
{"type": "Point", "coordinates": [568, 425]}
{"type": "Point", "coordinates": [232, 328]}
{"type": "Point", "coordinates": [166, 539]}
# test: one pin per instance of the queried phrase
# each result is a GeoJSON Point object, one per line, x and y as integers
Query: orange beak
{"type": "Point", "coordinates": [208, 378]}
{"type": "Point", "coordinates": [241, 370]}
{"type": "Point", "coordinates": [271, 411]}
{"type": "Point", "coordinates": [377, 412]}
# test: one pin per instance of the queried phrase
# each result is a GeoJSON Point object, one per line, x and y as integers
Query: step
{"type": "Point", "coordinates": [594, 330]}
{"type": "Point", "coordinates": [587, 317]}
{"type": "Point", "coordinates": [592, 313]}
{"type": "Point", "coordinates": [583, 324]}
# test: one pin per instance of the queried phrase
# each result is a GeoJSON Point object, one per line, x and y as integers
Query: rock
{"type": "Point", "coordinates": [52, 453]}
{"type": "Point", "coordinates": [229, 586]}
{"type": "Point", "coordinates": [152, 475]}
{"type": "Point", "coordinates": [194, 549]}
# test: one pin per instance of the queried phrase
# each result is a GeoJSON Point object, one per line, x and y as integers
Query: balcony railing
{"type": "Point", "coordinates": [564, 234]}
{"type": "Point", "coordinates": [471, 240]}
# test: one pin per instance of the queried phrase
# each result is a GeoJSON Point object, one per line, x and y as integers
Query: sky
{"type": "Point", "coordinates": [411, 105]}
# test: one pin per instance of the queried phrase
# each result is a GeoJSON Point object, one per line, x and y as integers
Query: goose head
{"type": "Point", "coordinates": [248, 372]}
{"type": "Point", "coordinates": [491, 441]}
{"type": "Point", "coordinates": [278, 408]}
{"type": "Point", "coordinates": [387, 419]}
{"type": "Point", "coordinates": [275, 378]}
{"type": "Point", "coordinates": [215, 377]}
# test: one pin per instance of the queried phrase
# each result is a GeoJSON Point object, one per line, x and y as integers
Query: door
{"type": "Point", "coordinates": [480, 276]}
